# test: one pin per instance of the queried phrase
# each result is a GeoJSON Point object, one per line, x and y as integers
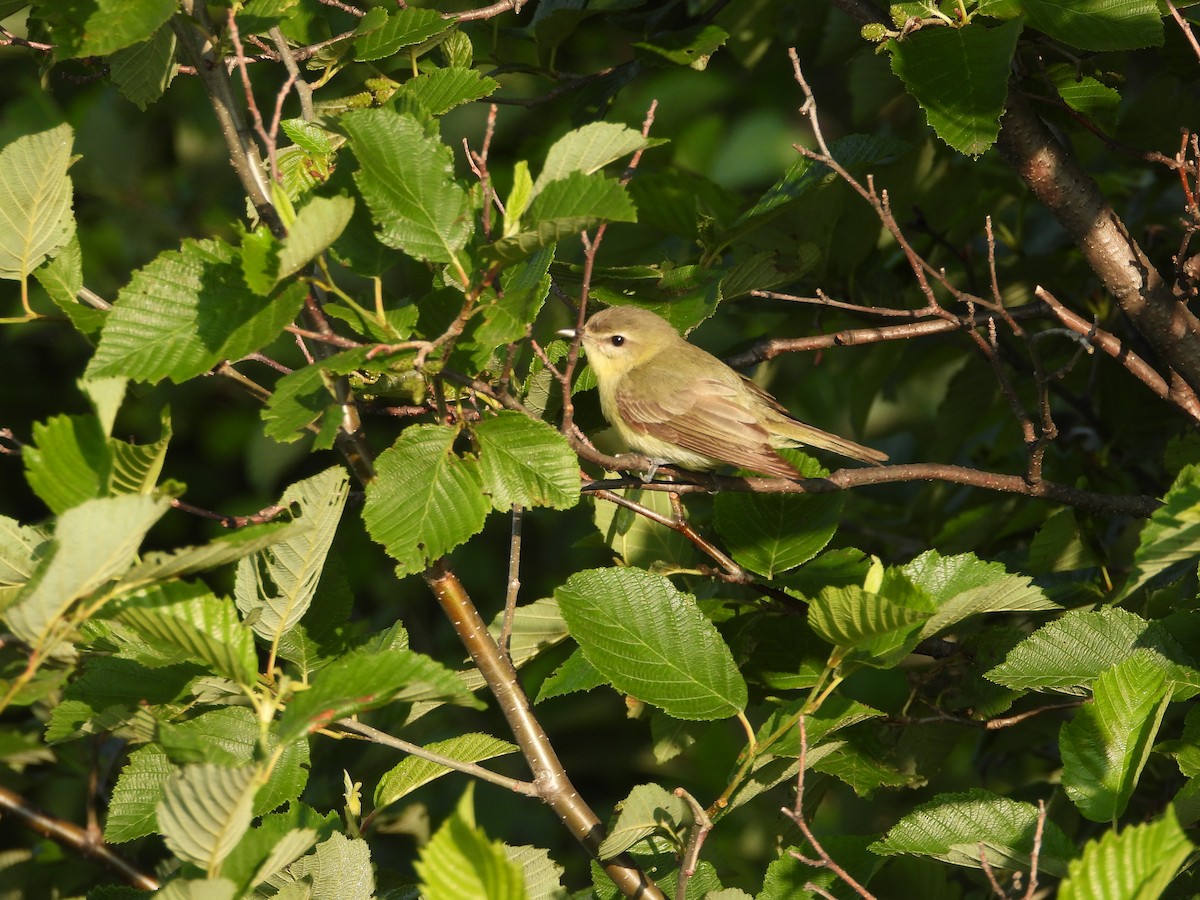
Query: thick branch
{"type": "Point", "coordinates": [549, 776]}
{"type": "Point", "coordinates": [1074, 199]}
{"type": "Point", "coordinates": [74, 838]}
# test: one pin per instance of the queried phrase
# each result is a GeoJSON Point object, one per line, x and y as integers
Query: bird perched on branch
{"type": "Point", "coordinates": [676, 403]}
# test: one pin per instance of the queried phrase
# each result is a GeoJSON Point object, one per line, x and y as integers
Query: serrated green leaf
{"type": "Point", "coordinates": [965, 585]}
{"type": "Point", "coordinates": [505, 317]}
{"type": "Point", "coordinates": [1105, 747]}
{"type": "Point", "coordinates": [459, 861]}
{"type": "Point", "coordinates": [564, 208]}
{"type": "Point", "coordinates": [960, 78]}
{"type": "Point", "coordinates": [378, 35]}
{"type": "Point", "coordinates": [771, 533]}
{"type": "Point", "coordinates": [649, 809]}
{"type": "Point", "coordinates": [414, 772]}
{"type": "Point", "coordinates": [363, 680]}
{"type": "Point", "coordinates": [441, 90]}
{"type": "Point", "coordinates": [652, 642]}
{"type": "Point", "coordinates": [542, 875]}
{"type": "Point", "coordinates": [406, 177]}
{"type": "Point", "coordinates": [69, 462]}
{"type": "Point", "coordinates": [205, 810]}
{"type": "Point", "coordinates": [525, 462]}
{"type": "Point", "coordinates": [274, 587]}
{"type": "Point", "coordinates": [221, 551]}
{"type": "Point", "coordinates": [36, 218]}
{"type": "Point", "coordinates": [575, 674]}
{"type": "Point", "coordinates": [185, 312]}
{"type": "Point", "coordinates": [93, 543]}
{"type": "Point", "coordinates": [139, 788]}
{"type": "Point", "coordinates": [1097, 24]}
{"type": "Point", "coordinates": [303, 396]}
{"type": "Point", "coordinates": [1139, 861]}
{"type": "Point", "coordinates": [587, 150]}
{"type": "Point", "coordinates": [339, 867]}
{"type": "Point", "coordinates": [1170, 541]}
{"type": "Point", "coordinates": [187, 621]}
{"type": "Point", "coordinates": [20, 548]}
{"type": "Point", "coordinates": [425, 500]}
{"type": "Point", "coordinates": [951, 827]}
{"type": "Point", "coordinates": [1070, 653]}
{"type": "Point", "coordinates": [144, 71]}
{"type": "Point", "coordinates": [877, 629]}
{"type": "Point", "coordinates": [101, 27]}
{"type": "Point", "coordinates": [319, 223]}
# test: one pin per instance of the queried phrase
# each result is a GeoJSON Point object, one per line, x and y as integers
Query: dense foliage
{"type": "Point", "coordinates": [314, 584]}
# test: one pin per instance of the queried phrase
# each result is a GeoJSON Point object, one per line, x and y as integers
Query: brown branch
{"type": "Point", "coordinates": [269, 514]}
{"type": "Point", "coordinates": [1075, 200]}
{"type": "Point", "coordinates": [486, 12]}
{"type": "Point", "coordinates": [243, 155]}
{"type": "Point", "coordinates": [824, 860]}
{"type": "Point", "coordinates": [549, 777]}
{"type": "Point", "coordinates": [688, 482]}
{"type": "Point", "coordinates": [74, 838]}
{"type": "Point", "coordinates": [701, 826]}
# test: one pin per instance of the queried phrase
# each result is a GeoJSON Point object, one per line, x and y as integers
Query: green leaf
{"type": "Point", "coordinates": [575, 674]}
{"type": "Point", "coordinates": [101, 27]}
{"type": "Point", "coordinates": [275, 586]}
{"type": "Point", "coordinates": [652, 642]}
{"type": "Point", "coordinates": [525, 462]}
{"type": "Point", "coordinates": [381, 34]}
{"type": "Point", "coordinates": [1170, 542]}
{"type": "Point", "coordinates": [964, 586]}
{"type": "Point", "coordinates": [339, 867]}
{"type": "Point", "coordinates": [589, 149]}
{"type": "Point", "coordinates": [144, 71]}
{"type": "Point", "coordinates": [137, 467]}
{"type": "Point", "coordinates": [459, 861]}
{"type": "Point", "coordinates": [951, 828]}
{"type": "Point", "coordinates": [185, 312]}
{"type": "Point", "coordinates": [231, 736]}
{"type": "Point", "coordinates": [406, 177]}
{"type": "Point", "coordinates": [319, 223]}
{"type": "Point", "coordinates": [363, 680]}
{"type": "Point", "coordinates": [414, 772]}
{"type": "Point", "coordinates": [1105, 747]}
{"type": "Point", "coordinates": [564, 208]}
{"type": "Point", "coordinates": [1140, 861]}
{"type": "Point", "coordinates": [35, 196]}
{"type": "Point", "coordinates": [1097, 24]}
{"type": "Point", "coordinates": [638, 540]}
{"type": "Point", "coordinates": [771, 533]}
{"type": "Point", "coordinates": [542, 875]}
{"type": "Point", "coordinates": [424, 500]}
{"type": "Point", "coordinates": [93, 543]}
{"type": "Point", "coordinates": [441, 90]}
{"type": "Point", "coordinates": [70, 461]}
{"type": "Point", "coordinates": [1086, 95]}
{"type": "Point", "coordinates": [686, 47]}
{"type": "Point", "coordinates": [221, 551]}
{"type": "Point", "coordinates": [960, 78]}
{"type": "Point", "coordinates": [649, 809]}
{"type": "Point", "coordinates": [1072, 652]}
{"type": "Point", "coordinates": [186, 621]}
{"type": "Point", "coordinates": [205, 810]}
{"type": "Point", "coordinates": [20, 548]}
{"type": "Point", "coordinates": [302, 397]}
{"type": "Point", "coordinates": [139, 788]}
{"type": "Point", "coordinates": [62, 278]}
{"type": "Point", "coordinates": [877, 629]}
{"type": "Point", "coordinates": [505, 317]}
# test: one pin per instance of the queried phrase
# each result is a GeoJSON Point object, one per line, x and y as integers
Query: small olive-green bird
{"type": "Point", "coordinates": [674, 402]}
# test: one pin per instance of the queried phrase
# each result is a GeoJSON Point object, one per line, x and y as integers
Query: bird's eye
{"type": "Point", "coordinates": [617, 340]}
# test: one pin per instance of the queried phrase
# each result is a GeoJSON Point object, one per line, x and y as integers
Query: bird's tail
{"type": "Point", "coordinates": [799, 433]}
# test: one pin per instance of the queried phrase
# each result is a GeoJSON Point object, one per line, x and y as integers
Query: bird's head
{"type": "Point", "coordinates": [621, 338]}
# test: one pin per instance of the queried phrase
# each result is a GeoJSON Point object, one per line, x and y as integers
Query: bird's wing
{"type": "Point", "coordinates": [703, 416]}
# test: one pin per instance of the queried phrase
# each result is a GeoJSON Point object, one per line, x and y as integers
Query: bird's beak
{"type": "Point", "coordinates": [568, 333]}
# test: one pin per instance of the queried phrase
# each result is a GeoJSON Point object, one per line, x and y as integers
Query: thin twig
{"type": "Point", "coordinates": [701, 826]}
{"type": "Point", "coordinates": [514, 581]}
